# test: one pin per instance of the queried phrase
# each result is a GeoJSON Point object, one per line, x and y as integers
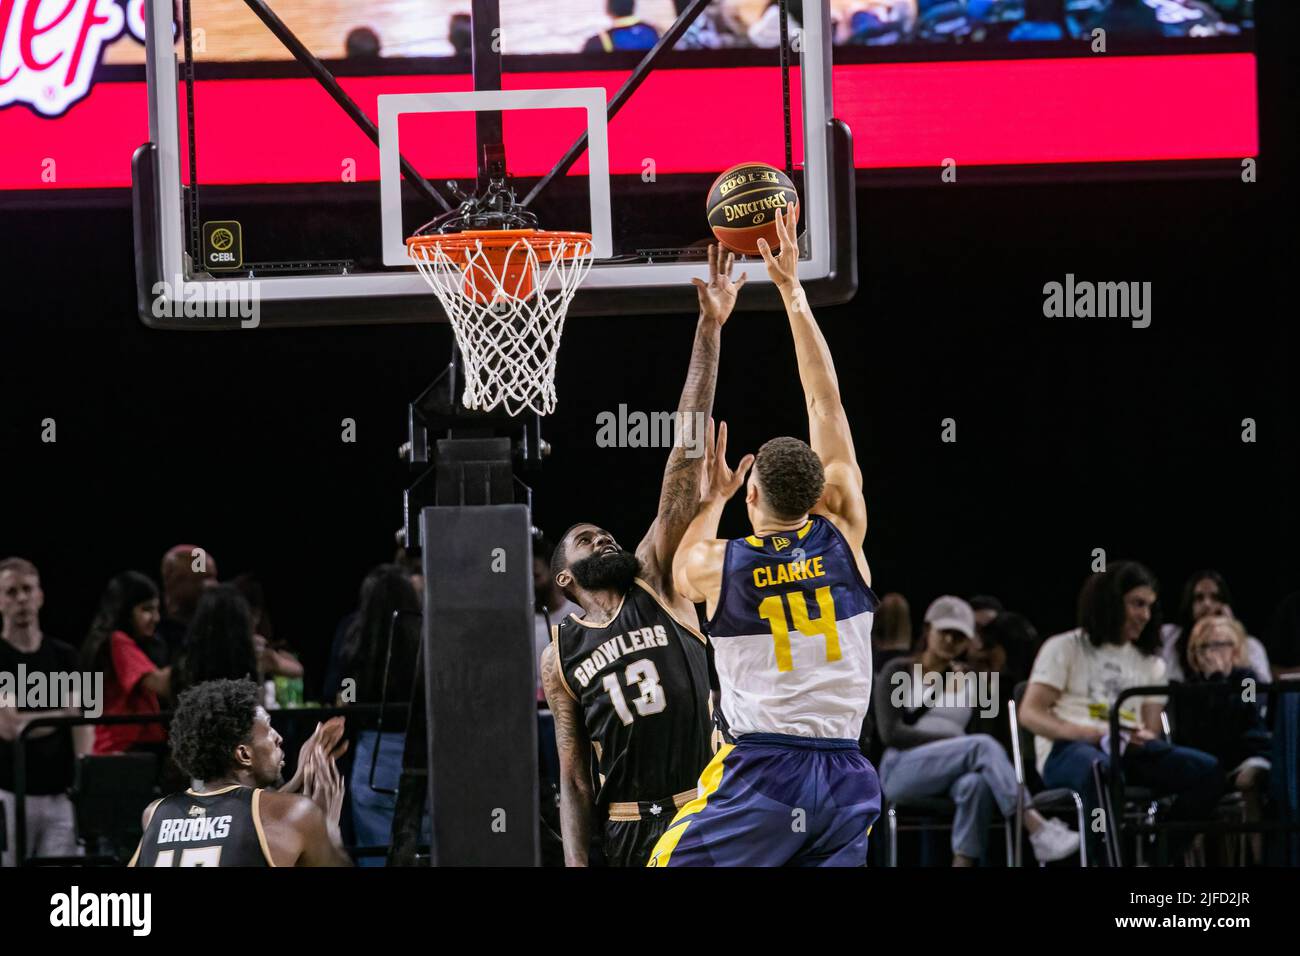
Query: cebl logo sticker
{"type": "Point", "coordinates": [223, 245]}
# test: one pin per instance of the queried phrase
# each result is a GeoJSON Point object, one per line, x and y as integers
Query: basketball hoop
{"type": "Point", "coordinates": [506, 292]}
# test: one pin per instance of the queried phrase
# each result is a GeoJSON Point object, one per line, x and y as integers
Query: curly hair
{"type": "Point", "coordinates": [211, 720]}
{"type": "Point", "coordinates": [790, 475]}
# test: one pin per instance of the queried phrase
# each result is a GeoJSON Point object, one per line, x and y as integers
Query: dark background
{"type": "Point", "coordinates": [1072, 434]}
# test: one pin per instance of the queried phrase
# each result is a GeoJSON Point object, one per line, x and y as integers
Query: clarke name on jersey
{"type": "Point", "coordinates": [610, 651]}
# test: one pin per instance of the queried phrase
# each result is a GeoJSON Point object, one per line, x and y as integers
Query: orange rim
{"type": "Point", "coordinates": [502, 239]}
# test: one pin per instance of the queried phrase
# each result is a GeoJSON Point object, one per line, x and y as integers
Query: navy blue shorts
{"type": "Point", "coordinates": [774, 800]}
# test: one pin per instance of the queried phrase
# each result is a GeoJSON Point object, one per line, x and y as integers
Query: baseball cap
{"type": "Point", "coordinates": [950, 613]}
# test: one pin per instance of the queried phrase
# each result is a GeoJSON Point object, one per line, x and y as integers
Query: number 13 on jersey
{"type": "Point", "coordinates": [773, 610]}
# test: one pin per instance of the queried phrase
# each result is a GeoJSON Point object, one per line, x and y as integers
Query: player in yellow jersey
{"type": "Point", "coordinates": [790, 609]}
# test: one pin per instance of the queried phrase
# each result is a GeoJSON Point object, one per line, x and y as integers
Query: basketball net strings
{"type": "Point", "coordinates": [509, 343]}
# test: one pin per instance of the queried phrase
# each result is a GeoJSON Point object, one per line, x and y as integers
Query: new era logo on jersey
{"type": "Point", "coordinates": [194, 829]}
{"type": "Point", "coordinates": [780, 543]}
{"type": "Point", "coordinates": [196, 811]}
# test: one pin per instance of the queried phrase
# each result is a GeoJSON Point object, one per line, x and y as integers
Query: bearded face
{"type": "Point", "coordinates": [609, 570]}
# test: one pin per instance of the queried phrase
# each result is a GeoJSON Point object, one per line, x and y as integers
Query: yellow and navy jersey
{"type": "Point", "coordinates": [220, 828]}
{"type": "Point", "coordinates": [791, 634]}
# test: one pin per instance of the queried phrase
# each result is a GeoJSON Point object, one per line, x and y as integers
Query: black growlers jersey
{"type": "Point", "coordinates": [221, 828]}
{"type": "Point", "coordinates": [642, 682]}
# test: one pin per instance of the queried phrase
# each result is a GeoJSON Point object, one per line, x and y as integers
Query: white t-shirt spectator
{"type": "Point", "coordinates": [1089, 679]}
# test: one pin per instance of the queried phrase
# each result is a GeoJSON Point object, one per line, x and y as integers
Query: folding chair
{"type": "Point", "coordinates": [1058, 802]}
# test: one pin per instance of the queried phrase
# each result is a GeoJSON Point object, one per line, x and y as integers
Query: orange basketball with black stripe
{"type": "Point", "coordinates": [743, 202]}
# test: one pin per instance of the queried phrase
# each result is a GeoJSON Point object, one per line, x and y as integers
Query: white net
{"type": "Point", "coordinates": [507, 305]}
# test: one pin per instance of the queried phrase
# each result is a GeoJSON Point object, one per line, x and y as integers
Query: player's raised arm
{"type": "Point", "coordinates": [828, 425]}
{"type": "Point", "coordinates": [577, 802]}
{"type": "Point", "coordinates": [697, 566]}
{"type": "Point", "coordinates": [679, 495]}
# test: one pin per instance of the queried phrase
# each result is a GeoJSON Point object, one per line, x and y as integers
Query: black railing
{"type": "Point", "coordinates": [1116, 781]}
{"type": "Point", "coordinates": [378, 711]}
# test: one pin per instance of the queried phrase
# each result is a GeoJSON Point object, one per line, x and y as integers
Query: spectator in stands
{"type": "Point", "coordinates": [186, 571]}
{"type": "Point", "coordinates": [1007, 648]}
{"type": "Point", "coordinates": [362, 43]}
{"type": "Point", "coordinates": [627, 32]}
{"type": "Point", "coordinates": [986, 608]}
{"type": "Point", "coordinates": [718, 27]}
{"type": "Point", "coordinates": [766, 30]}
{"type": "Point", "coordinates": [1226, 724]}
{"type": "Point", "coordinates": [1130, 19]}
{"type": "Point", "coordinates": [51, 752]}
{"type": "Point", "coordinates": [878, 22]}
{"type": "Point", "coordinates": [891, 630]}
{"type": "Point", "coordinates": [386, 589]}
{"type": "Point", "coordinates": [338, 664]}
{"type": "Point", "coordinates": [219, 643]}
{"type": "Point", "coordinates": [459, 34]}
{"type": "Point", "coordinates": [1045, 20]}
{"type": "Point", "coordinates": [929, 753]}
{"type": "Point", "coordinates": [1283, 638]}
{"type": "Point", "coordinates": [126, 619]}
{"type": "Point", "coordinates": [1205, 594]}
{"type": "Point", "coordinates": [1075, 681]}
{"type": "Point", "coordinates": [274, 659]}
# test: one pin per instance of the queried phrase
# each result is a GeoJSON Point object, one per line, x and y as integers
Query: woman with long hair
{"type": "Point", "coordinates": [1205, 594]}
{"type": "Point", "coordinates": [218, 643]}
{"type": "Point", "coordinates": [123, 627]}
{"type": "Point", "coordinates": [388, 606]}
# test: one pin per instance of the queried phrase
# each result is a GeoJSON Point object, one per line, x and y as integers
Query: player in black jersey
{"type": "Point", "coordinates": [629, 680]}
{"type": "Point", "coordinates": [223, 738]}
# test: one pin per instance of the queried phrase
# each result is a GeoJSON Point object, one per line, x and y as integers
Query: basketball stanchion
{"type": "Point", "coordinates": [506, 293]}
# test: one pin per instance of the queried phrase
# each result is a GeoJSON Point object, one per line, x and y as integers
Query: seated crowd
{"type": "Point", "coordinates": [731, 24]}
{"type": "Point", "coordinates": [1199, 746]}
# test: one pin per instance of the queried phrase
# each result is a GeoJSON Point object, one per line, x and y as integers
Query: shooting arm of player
{"type": "Point", "coordinates": [680, 491]}
{"type": "Point", "coordinates": [1037, 717]}
{"type": "Point", "coordinates": [828, 425]}
{"type": "Point", "coordinates": [577, 802]}
{"type": "Point", "coordinates": [697, 566]}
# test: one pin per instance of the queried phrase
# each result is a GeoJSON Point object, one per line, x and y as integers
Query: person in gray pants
{"type": "Point", "coordinates": [921, 718]}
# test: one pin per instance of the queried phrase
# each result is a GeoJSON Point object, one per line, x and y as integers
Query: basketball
{"type": "Point", "coordinates": [743, 202]}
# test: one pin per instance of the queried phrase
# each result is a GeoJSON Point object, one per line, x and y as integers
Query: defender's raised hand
{"type": "Point", "coordinates": [720, 481]}
{"type": "Point", "coordinates": [783, 266]}
{"type": "Point", "coordinates": [718, 295]}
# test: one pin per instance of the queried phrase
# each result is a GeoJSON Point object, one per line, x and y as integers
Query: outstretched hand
{"type": "Point", "coordinates": [783, 266]}
{"type": "Point", "coordinates": [720, 481]}
{"type": "Point", "coordinates": [328, 740]}
{"type": "Point", "coordinates": [718, 295]}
